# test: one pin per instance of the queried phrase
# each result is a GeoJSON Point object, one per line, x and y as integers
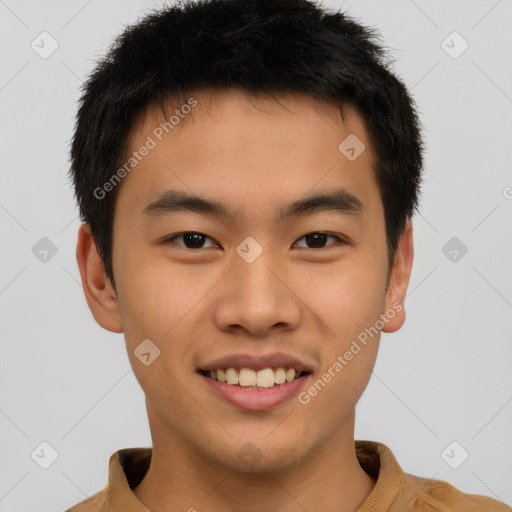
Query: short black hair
{"type": "Point", "coordinates": [259, 47]}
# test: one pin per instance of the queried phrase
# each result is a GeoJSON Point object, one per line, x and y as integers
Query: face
{"type": "Point", "coordinates": [276, 274]}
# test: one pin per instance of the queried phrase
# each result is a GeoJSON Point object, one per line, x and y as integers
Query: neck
{"type": "Point", "coordinates": [330, 480]}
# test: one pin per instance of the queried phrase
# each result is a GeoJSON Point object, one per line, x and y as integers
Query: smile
{"type": "Point", "coordinates": [265, 378]}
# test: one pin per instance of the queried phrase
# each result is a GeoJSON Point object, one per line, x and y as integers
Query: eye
{"type": "Point", "coordinates": [195, 240]}
{"type": "Point", "coordinates": [318, 240]}
{"type": "Point", "coordinates": [191, 240]}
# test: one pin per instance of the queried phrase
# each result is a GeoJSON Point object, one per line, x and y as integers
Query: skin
{"type": "Point", "coordinates": [255, 155]}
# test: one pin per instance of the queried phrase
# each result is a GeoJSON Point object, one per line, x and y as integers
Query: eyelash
{"type": "Point", "coordinates": [339, 240]}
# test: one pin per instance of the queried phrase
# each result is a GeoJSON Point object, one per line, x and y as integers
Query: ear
{"type": "Point", "coordinates": [399, 281]}
{"type": "Point", "coordinates": [99, 293]}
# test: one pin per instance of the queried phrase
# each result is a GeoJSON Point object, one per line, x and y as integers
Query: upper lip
{"type": "Point", "coordinates": [258, 362]}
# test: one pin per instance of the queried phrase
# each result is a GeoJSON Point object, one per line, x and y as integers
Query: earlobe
{"type": "Point", "coordinates": [99, 293]}
{"type": "Point", "coordinates": [399, 281]}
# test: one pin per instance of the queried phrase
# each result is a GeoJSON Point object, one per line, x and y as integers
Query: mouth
{"type": "Point", "coordinates": [256, 382]}
{"type": "Point", "coordinates": [258, 388]}
{"type": "Point", "coordinates": [250, 378]}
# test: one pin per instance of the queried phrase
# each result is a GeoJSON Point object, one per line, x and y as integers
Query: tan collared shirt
{"type": "Point", "coordinates": [394, 491]}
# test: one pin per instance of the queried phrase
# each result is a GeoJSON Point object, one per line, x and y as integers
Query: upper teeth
{"type": "Point", "coordinates": [247, 377]}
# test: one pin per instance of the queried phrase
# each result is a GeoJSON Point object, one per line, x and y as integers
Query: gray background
{"type": "Point", "coordinates": [444, 377]}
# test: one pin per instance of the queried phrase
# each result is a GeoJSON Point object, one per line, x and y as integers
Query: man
{"type": "Point", "coordinates": [247, 172]}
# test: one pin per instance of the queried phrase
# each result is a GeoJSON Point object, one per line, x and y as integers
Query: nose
{"type": "Point", "coordinates": [257, 298]}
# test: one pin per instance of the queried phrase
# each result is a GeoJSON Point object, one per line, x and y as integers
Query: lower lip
{"type": "Point", "coordinates": [256, 399]}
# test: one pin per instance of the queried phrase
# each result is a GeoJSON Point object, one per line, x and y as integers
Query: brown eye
{"type": "Point", "coordinates": [191, 240]}
{"type": "Point", "coordinates": [318, 240]}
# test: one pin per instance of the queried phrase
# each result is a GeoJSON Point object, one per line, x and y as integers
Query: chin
{"type": "Point", "coordinates": [261, 456]}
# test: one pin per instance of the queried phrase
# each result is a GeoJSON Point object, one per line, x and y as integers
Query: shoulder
{"type": "Point", "coordinates": [94, 503]}
{"type": "Point", "coordinates": [422, 494]}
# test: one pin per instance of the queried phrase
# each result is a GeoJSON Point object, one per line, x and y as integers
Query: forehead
{"type": "Point", "coordinates": [263, 114]}
{"type": "Point", "coordinates": [248, 149]}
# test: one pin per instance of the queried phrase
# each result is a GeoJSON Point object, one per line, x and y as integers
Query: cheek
{"type": "Point", "coordinates": [348, 301]}
{"type": "Point", "coordinates": [350, 304]}
{"type": "Point", "coordinates": [347, 296]}
{"type": "Point", "coordinates": [155, 296]}
{"type": "Point", "coordinates": [153, 306]}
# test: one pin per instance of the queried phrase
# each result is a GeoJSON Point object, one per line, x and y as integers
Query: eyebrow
{"type": "Point", "coordinates": [340, 201]}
